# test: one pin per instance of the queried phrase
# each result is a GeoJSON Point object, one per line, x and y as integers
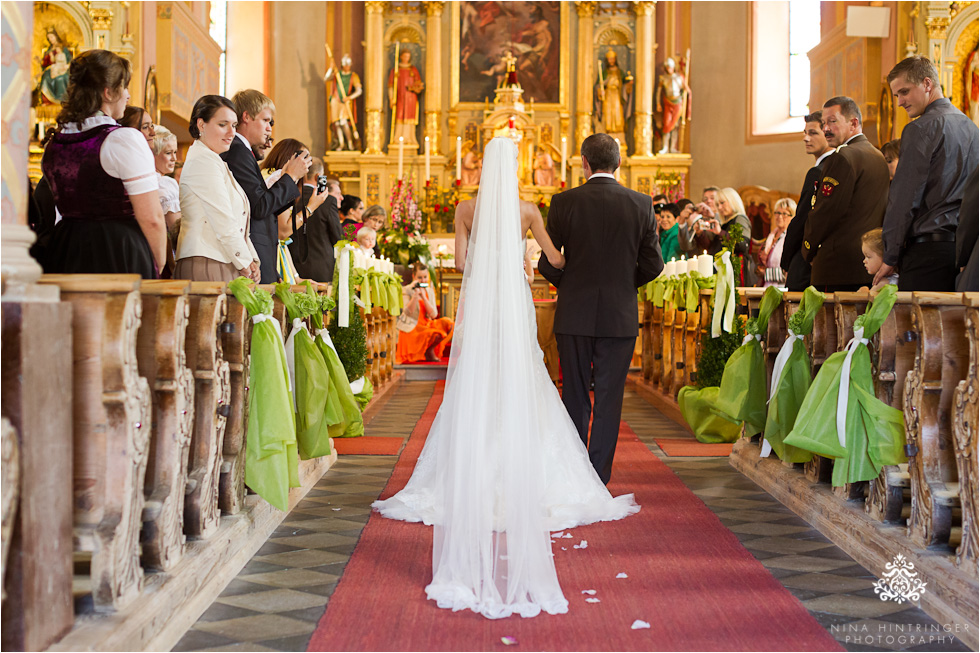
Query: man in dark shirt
{"type": "Point", "coordinates": [815, 143]}
{"type": "Point", "coordinates": [939, 153]}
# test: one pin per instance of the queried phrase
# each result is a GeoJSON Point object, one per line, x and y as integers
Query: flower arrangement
{"type": "Point", "coordinates": [439, 207]}
{"type": "Point", "coordinates": [405, 242]}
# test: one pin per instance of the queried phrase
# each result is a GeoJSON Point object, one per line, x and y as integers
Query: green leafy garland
{"type": "Point", "coordinates": [715, 352]}
{"type": "Point", "coordinates": [351, 341]}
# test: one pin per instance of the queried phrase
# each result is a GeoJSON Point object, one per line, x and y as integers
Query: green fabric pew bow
{"type": "Point", "coordinates": [841, 418]}
{"type": "Point", "coordinates": [393, 287]}
{"type": "Point", "coordinates": [791, 379]}
{"type": "Point", "coordinates": [742, 395]}
{"type": "Point", "coordinates": [271, 460]}
{"type": "Point", "coordinates": [343, 415]}
{"type": "Point", "coordinates": [308, 375]}
{"type": "Point", "coordinates": [723, 315]}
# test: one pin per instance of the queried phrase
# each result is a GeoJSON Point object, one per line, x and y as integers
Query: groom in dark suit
{"type": "Point", "coordinates": [610, 242]}
{"type": "Point", "coordinates": [255, 118]}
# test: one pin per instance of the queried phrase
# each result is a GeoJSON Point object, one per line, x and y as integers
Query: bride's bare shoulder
{"type": "Point", "coordinates": [529, 211]}
{"type": "Point", "coordinates": [465, 210]}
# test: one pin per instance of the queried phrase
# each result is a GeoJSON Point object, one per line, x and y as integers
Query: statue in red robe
{"type": "Point", "coordinates": [403, 94]}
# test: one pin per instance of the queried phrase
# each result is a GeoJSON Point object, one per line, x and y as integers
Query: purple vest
{"type": "Point", "coordinates": [82, 189]}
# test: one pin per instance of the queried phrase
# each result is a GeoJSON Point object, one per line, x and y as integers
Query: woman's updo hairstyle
{"type": "Point", "coordinates": [205, 108]}
{"type": "Point", "coordinates": [88, 74]}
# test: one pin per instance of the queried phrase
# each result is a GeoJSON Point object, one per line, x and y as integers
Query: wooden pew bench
{"type": "Point", "coordinates": [111, 438]}
{"type": "Point", "coordinates": [163, 361]}
{"type": "Point", "coordinates": [965, 409]}
{"type": "Point", "coordinates": [941, 363]}
{"type": "Point", "coordinates": [236, 334]}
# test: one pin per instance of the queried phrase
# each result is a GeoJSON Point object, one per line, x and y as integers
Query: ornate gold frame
{"type": "Point", "coordinates": [564, 62]}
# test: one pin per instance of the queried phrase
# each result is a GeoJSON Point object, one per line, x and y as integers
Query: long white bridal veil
{"type": "Point", "coordinates": [492, 550]}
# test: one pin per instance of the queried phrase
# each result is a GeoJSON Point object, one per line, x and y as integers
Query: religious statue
{"type": "Point", "coordinates": [343, 88]}
{"type": "Point", "coordinates": [971, 88]}
{"type": "Point", "coordinates": [472, 167]}
{"type": "Point", "coordinates": [673, 99]}
{"type": "Point", "coordinates": [613, 98]}
{"type": "Point", "coordinates": [54, 76]}
{"type": "Point", "coordinates": [544, 168]}
{"type": "Point", "coordinates": [403, 93]}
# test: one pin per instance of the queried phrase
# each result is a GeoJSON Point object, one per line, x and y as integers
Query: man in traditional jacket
{"type": "Point", "coordinates": [849, 202]}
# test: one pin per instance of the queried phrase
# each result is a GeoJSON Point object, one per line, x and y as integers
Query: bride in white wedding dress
{"type": "Point", "coordinates": [503, 464]}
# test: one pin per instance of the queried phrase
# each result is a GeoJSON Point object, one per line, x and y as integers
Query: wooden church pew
{"type": "Point", "coordinates": [163, 361]}
{"type": "Point", "coordinates": [893, 355]}
{"type": "Point", "coordinates": [236, 333]}
{"type": "Point", "coordinates": [111, 437]}
{"type": "Point", "coordinates": [941, 362]}
{"type": "Point", "coordinates": [208, 308]}
{"type": "Point", "coordinates": [667, 347]}
{"type": "Point", "coordinates": [678, 334]}
{"type": "Point", "coordinates": [821, 343]}
{"type": "Point", "coordinates": [646, 346]}
{"type": "Point", "coordinates": [964, 418]}
{"type": "Point", "coordinates": [656, 343]}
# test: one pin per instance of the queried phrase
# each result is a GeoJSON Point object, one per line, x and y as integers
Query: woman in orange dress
{"type": "Point", "coordinates": [423, 335]}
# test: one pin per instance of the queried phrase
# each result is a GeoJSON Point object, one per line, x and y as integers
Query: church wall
{"type": "Point", "coordinates": [720, 88]}
{"type": "Point", "coordinates": [245, 59]}
{"type": "Point", "coordinates": [297, 61]}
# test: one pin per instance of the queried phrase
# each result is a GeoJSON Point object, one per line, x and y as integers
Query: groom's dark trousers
{"type": "Point", "coordinates": [611, 248]}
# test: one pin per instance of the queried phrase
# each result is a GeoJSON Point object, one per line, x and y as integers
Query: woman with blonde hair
{"type": "Point", "coordinates": [772, 252]}
{"type": "Point", "coordinates": [731, 211]}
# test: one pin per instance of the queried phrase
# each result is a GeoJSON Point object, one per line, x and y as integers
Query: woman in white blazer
{"type": "Point", "coordinates": [214, 242]}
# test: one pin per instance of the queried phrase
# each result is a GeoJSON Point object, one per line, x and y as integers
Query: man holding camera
{"type": "Point", "coordinates": [256, 114]}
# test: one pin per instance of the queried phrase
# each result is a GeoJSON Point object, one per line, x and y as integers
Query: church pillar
{"type": "Point", "coordinates": [374, 74]}
{"type": "Point", "coordinates": [645, 65]}
{"type": "Point", "coordinates": [583, 101]}
{"type": "Point", "coordinates": [36, 399]}
{"type": "Point", "coordinates": [433, 73]}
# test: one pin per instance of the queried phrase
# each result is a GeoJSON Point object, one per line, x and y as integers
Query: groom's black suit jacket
{"type": "Point", "coordinates": [265, 203]}
{"type": "Point", "coordinates": [611, 249]}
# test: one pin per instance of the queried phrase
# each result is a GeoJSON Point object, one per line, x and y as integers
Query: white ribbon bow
{"type": "Point", "coordinates": [324, 335]}
{"type": "Point", "coordinates": [777, 375]}
{"type": "Point", "coordinates": [290, 349]}
{"type": "Point", "coordinates": [357, 386]}
{"type": "Point", "coordinates": [262, 317]}
{"type": "Point", "coordinates": [845, 384]}
{"type": "Point", "coordinates": [724, 308]}
{"type": "Point", "coordinates": [748, 338]}
{"type": "Point", "coordinates": [343, 292]}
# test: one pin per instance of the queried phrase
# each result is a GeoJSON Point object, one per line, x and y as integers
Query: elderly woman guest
{"type": "Point", "coordinates": [214, 242]}
{"type": "Point", "coordinates": [165, 159]}
{"type": "Point", "coordinates": [375, 217]}
{"type": "Point", "coordinates": [772, 252]}
{"type": "Point", "coordinates": [422, 334]}
{"type": "Point", "coordinates": [102, 178]}
{"type": "Point", "coordinates": [138, 118]}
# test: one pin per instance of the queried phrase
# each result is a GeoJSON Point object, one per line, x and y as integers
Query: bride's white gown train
{"type": "Point", "coordinates": [503, 464]}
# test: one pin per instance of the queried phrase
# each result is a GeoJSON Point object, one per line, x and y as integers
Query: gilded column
{"type": "Point", "coordinates": [583, 101]}
{"type": "Point", "coordinates": [645, 67]}
{"type": "Point", "coordinates": [433, 73]}
{"type": "Point", "coordinates": [374, 74]}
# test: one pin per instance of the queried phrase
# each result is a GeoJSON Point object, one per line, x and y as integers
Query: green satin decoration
{"type": "Point", "coordinates": [271, 460]}
{"type": "Point", "coordinates": [366, 393]}
{"type": "Point", "coordinates": [359, 281]}
{"type": "Point", "coordinates": [655, 291]}
{"type": "Point", "coordinates": [393, 287]}
{"type": "Point", "coordinates": [312, 380]}
{"type": "Point", "coordinates": [794, 381]}
{"type": "Point", "coordinates": [333, 410]}
{"type": "Point", "coordinates": [709, 425]}
{"type": "Point", "coordinates": [694, 285]}
{"type": "Point", "coordinates": [875, 432]}
{"type": "Point", "coordinates": [742, 394]}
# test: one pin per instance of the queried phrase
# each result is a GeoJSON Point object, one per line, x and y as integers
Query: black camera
{"type": "Point", "coordinates": [659, 206]}
{"type": "Point", "coordinates": [321, 183]}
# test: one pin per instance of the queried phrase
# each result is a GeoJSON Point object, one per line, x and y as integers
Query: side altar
{"type": "Point", "coordinates": [512, 73]}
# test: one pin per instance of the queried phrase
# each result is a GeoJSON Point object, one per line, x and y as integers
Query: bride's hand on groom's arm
{"type": "Point", "coordinates": [557, 260]}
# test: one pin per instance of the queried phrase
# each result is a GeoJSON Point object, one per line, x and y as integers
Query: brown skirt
{"type": "Point", "coordinates": [201, 268]}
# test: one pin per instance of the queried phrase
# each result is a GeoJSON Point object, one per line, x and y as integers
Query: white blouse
{"type": "Point", "coordinates": [125, 154]}
{"type": "Point", "coordinates": [169, 194]}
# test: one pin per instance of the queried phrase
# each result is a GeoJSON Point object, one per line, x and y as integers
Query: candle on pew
{"type": "Point", "coordinates": [459, 158]}
{"type": "Point", "coordinates": [706, 265]}
{"type": "Point", "coordinates": [427, 154]}
{"type": "Point", "coordinates": [671, 268]}
{"type": "Point", "coordinates": [692, 264]}
{"type": "Point", "coordinates": [564, 157]}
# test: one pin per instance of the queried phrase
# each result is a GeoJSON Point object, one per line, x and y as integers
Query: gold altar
{"type": "Point", "coordinates": [512, 75]}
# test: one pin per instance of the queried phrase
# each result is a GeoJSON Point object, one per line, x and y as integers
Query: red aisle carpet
{"type": "Point", "coordinates": [691, 447]}
{"type": "Point", "coordinates": [368, 445]}
{"type": "Point", "coordinates": [688, 577]}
